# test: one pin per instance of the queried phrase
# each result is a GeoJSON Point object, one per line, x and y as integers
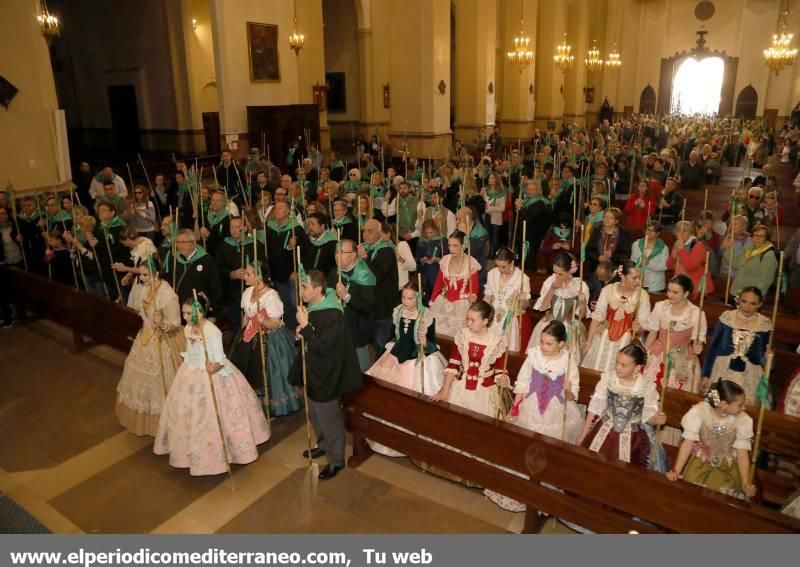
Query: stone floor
{"type": "Point", "coordinates": [67, 463]}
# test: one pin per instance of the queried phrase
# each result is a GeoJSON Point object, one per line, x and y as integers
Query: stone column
{"type": "Point", "coordinates": [550, 25]}
{"type": "Point", "coordinates": [518, 86]}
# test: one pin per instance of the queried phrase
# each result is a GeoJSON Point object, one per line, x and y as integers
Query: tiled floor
{"type": "Point", "coordinates": [68, 464]}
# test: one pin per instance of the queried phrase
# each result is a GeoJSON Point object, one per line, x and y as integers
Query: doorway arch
{"type": "Point", "coordinates": [647, 101]}
{"type": "Point", "coordinates": [747, 103]}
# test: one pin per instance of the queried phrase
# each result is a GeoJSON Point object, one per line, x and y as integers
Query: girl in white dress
{"type": "Point", "coordinates": [621, 312]}
{"type": "Point", "coordinates": [562, 294]}
{"type": "Point", "coordinates": [196, 418]}
{"type": "Point", "coordinates": [509, 289]}
{"type": "Point", "coordinates": [547, 380]}
{"type": "Point", "coordinates": [476, 370]}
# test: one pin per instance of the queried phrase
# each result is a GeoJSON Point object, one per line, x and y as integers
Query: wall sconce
{"type": "Point", "coordinates": [194, 24]}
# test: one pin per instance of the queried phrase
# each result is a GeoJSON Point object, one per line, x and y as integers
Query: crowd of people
{"type": "Point", "coordinates": [262, 291]}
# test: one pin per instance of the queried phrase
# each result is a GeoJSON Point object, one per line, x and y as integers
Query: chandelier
{"type": "Point", "coordinates": [296, 40]}
{"type": "Point", "coordinates": [781, 54]}
{"type": "Point", "coordinates": [563, 57]}
{"type": "Point", "coordinates": [47, 22]}
{"type": "Point", "coordinates": [593, 60]}
{"type": "Point", "coordinates": [521, 57]}
{"type": "Point", "coordinates": [613, 62]}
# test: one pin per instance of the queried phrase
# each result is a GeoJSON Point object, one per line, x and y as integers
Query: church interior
{"type": "Point", "coordinates": [644, 154]}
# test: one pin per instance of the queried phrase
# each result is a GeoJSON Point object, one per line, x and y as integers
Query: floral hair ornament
{"type": "Point", "coordinates": [620, 271]}
{"type": "Point", "coordinates": [573, 267]}
{"type": "Point", "coordinates": [712, 397]}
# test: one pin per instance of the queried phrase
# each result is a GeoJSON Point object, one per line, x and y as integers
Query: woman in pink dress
{"type": "Point", "coordinates": [191, 428]}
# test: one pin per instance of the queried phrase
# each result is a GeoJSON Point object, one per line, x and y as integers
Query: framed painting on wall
{"type": "Point", "coordinates": [262, 44]}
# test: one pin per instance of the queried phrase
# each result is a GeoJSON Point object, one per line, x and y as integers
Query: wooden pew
{"type": "Point", "coordinates": [88, 316]}
{"type": "Point", "coordinates": [781, 433]}
{"type": "Point", "coordinates": [597, 494]}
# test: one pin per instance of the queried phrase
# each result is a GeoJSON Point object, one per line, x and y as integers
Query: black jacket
{"type": "Point", "coordinates": [359, 310]}
{"type": "Point", "coordinates": [384, 266]}
{"type": "Point", "coordinates": [331, 363]}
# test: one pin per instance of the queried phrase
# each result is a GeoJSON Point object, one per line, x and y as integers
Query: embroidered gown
{"type": "Point", "coordinates": [685, 369]}
{"type": "Point", "coordinates": [449, 303]}
{"type": "Point", "coordinates": [188, 429]}
{"type": "Point", "coordinates": [622, 431]}
{"type": "Point", "coordinates": [561, 308]}
{"type": "Point", "coordinates": [713, 463]}
{"type": "Point", "coordinates": [475, 360]}
{"type": "Point", "coordinates": [542, 410]}
{"type": "Point", "coordinates": [503, 296]}
{"type": "Point", "coordinates": [279, 351]}
{"type": "Point", "coordinates": [152, 363]}
{"type": "Point", "coordinates": [737, 354]}
{"type": "Point", "coordinates": [616, 314]}
{"type": "Point", "coordinates": [400, 363]}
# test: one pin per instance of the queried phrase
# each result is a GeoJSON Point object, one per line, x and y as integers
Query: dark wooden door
{"type": "Point", "coordinates": [283, 125]}
{"type": "Point", "coordinates": [647, 101]}
{"type": "Point", "coordinates": [747, 103]}
{"type": "Point", "coordinates": [124, 117]}
{"type": "Point", "coordinates": [211, 132]}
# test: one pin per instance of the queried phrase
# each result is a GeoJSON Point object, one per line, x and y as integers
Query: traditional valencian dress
{"type": "Point", "coordinates": [616, 313]}
{"type": "Point", "coordinates": [685, 368]}
{"type": "Point", "coordinates": [504, 295]}
{"type": "Point", "coordinates": [542, 410]}
{"type": "Point", "coordinates": [622, 431]}
{"type": "Point", "coordinates": [713, 462]}
{"type": "Point", "coordinates": [475, 360]}
{"type": "Point", "coordinates": [737, 354]}
{"type": "Point", "coordinates": [400, 362]}
{"type": "Point", "coordinates": [139, 255]}
{"type": "Point", "coordinates": [449, 303]}
{"type": "Point", "coordinates": [152, 363]}
{"type": "Point", "coordinates": [561, 308]}
{"type": "Point", "coordinates": [279, 352]}
{"type": "Point", "coordinates": [189, 431]}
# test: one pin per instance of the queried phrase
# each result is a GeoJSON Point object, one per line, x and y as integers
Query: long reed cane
{"type": "Point", "coordinates": [692, 380]}
{"type": "Point", "coordinates": [664, 383]}
{"type": "Point", "coordinates": [305, 381]}
{"type": "Point", "coordinates": [174, 235]}
{"type": "Point", "coordinates": [732, 249]}
{"type": "Point", "coordinates": [214, 398]}
{"type": "Point", "coordinates": [421, 350]}
{"type": "Point", "coordinates": [264, 369]}
{"type": "Point", "coordinates": [111, 265]}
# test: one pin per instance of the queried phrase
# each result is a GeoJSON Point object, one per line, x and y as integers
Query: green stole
{"type": "Point", "coordinates": [327, 236]}
{"type": "Point", "coordinates": [361, 274]}
{"type": "Point", "coordinates": [406, 213]}
{"type": "Point", "coordinates": [372, 249]}
{"type": "Point", "coordinates": [199, 253]}
{"type": "Point", "coordinates": [329, 301]}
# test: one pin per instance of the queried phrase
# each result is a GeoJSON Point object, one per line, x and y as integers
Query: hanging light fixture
{"type": "Point", "coordinates": [781, 54]}
{"type": "Point", "coordinates": [593, 61]}
{"type": "Point", "coordinates": [563, 57]}
{"type": "Point", "coordinates": [613, 62]}
{"type": "Point", "coordinates": [521, 57]}
{"type": "Point", "coordinates": [296, 40]}
{"type": "Point", "coordinates": [48, 23]}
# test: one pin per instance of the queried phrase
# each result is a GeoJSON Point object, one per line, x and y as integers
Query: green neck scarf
{"type": "Point", "coordinates": [199, 253]}
{"type": "Point", "coordinates": [562, 233]}
{"type": "Point", "coordinates": [113, 223]}
{"type": "Point", "coordinates": [288, 228]}
{"type": "Point", "coordinates": [495, 195]}
{"type": "Point", "coordinates": [478, 231]}
{"type": "Point", "coordinates": [435, 238]}
{"type": "Point", "coordinates": [657, 248]}
{"type": "Point", "coordinates": [215, 218]}
{"type": "Point", "coordinates": [341, 222]}
{"type": "Point", "coordinates": [528, 201]}
{"type": "Point", "coordinates": [337, 165]}
{"type": "Point", "coordinates": [372, 249]}
{"type": "Point", "coordinates": [595, 218]}
{"type": "Point", "coordinates": [377, 191]}
{"type": "Point", "coordinates": [60, 216]}
{"type": "Point", "coordinates": [360, 274]}
{"type": "Point", "coordinates": [351, 187]}
{"type": "Point", "coordinates": [116, 200]}
{"type": "Point", "coordinates": [329, 301]}
{"type": "Point", "coordinates": [236, 243]}
{"type": "Point", "coordinates": [33, 217]}
{"type": "Point", "coordinates": [327, 236]}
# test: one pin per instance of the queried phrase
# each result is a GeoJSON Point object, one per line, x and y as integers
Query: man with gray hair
{"type": "Point", "coordinates": [106, 176]}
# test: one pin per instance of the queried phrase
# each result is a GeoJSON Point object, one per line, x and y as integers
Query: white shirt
{"type": "Point", "coordinates": [96, 188]}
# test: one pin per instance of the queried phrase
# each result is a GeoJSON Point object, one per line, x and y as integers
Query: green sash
{"type": "Point", "coordinates": [361, 275]}
{"type": "Point", "coordinates": [329, 301]}
{"type": "Point", "coordinates": [372, 249]}
{"type": "Point", "coordinates": [200, 252]}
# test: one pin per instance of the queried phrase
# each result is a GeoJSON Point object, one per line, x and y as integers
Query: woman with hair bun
{"type": "Point", "coordinates": [476, 370]}
{"type": "Point", "coordinates": [456, 286]}
{"type": "Point", "coordinates": [621, 312]}
{"type": "Point", "coordinates": [622, 411]}
{"type": "Point", "coordinates": [508, 290]}
{"type": "Point", "coordinates": [677, 318]}
{"type": "Point", "coordinates": [196, 418]}
{"type": "Point", "coordinates": [563, 294]}
{"type": "Point", "coordinates": [263, 312]}
{"type": "Point", "coordinates": [717, 437]}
